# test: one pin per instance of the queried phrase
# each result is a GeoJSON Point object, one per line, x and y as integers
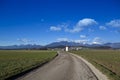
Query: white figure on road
{"type": "Point", "coordinates": [66, 49]}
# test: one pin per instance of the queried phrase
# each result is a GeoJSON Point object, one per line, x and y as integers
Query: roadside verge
{"type": "Point", "coordinates": [30, 70]}
{"type": "Point", "coordinates": [98, 73]}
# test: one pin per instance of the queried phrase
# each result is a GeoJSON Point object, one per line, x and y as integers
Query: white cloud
{"type": "Point", "coordinates": [54, 28]}
{"type": "Point", "coordinates": [74, 30]}
{"type": "Point", "coordinates": [86, 22]}
{"type": "Point", "coordinates": [102, 28]}
{"type": "Point", "coordinates": [114, 23]}
{"type": "Point", "coordinates": [24, 40]}
{"type": "Point", "coordinates": [97, 40]}
{"type": "Point", "coordinates": [59, 27]}
{"type": "Point", "coordinates": [82, 24]}
{"type": "Point", "coordinates": [83, 36]}
{"type": "Point", "coordinates": [62, 39]}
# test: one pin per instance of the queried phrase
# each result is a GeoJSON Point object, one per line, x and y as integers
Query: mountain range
{"type": "Point", "coordinates": [62, 44]}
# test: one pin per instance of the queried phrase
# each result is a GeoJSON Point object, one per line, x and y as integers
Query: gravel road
{"type": "Point", "coordinates": [64, 67]}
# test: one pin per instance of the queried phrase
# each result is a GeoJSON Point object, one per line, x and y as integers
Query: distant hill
{"type": "Point", "coordinates": [113, 45]}
{"type": "Point", "coordinates": [28, 46]}
{"type": "Point", "coordinates": [62, 44]}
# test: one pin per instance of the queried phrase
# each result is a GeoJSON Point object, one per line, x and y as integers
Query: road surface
{"type": "Point", "coordinates": [64, 67]}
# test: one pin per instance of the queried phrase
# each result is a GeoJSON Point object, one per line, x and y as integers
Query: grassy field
{"type": "Point", "coordinates": [16, 61]}
{"type": "Point", "coordinates": [108, 61]}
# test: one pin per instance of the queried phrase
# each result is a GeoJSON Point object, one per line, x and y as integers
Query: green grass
{"type": "Point", "coordinates": [16, 61]}
{"type": "Point", "coordinates": [108, 61]}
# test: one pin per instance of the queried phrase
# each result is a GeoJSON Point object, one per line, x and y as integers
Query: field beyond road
{"type": "Point", "coordinates": [107, 61]}
{"type": "Point", "coordinates": [16, 61]}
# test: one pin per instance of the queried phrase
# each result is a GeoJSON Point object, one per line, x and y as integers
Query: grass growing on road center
{"type": "Point", "coordinates": [16, 61]}
{"type": "Point", "coordinates": [108, 61]}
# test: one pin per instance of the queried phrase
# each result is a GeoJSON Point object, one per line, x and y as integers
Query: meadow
{"type": "Point", "coordinates": [107, 61]}
{"type": "Point", "coordinates": [13, 62]}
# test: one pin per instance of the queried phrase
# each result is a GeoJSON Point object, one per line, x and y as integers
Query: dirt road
{"type": "Point", "coordinates": [64, 67]}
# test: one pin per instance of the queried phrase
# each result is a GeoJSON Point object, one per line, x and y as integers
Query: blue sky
{"type": "Point", "coordinates": [46, 21]}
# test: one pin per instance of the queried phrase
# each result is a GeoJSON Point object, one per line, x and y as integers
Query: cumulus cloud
{"type": "Point", "coordinates": [114, 23]}
{"type": "Point", "coordinates": [97, 40]}
{"type": "Point", "coordinates": [86, 22]}
{"type": "Point", "coordinates": [75, 29]}
{"type": "Point", "coordinates": [83, 36]}
{"type": "Point", "coordinates": [102, 28]}
{"type": "Point", "coordinates": [81, 24]}
{"type": "Point", "coordinates": [54, 28]}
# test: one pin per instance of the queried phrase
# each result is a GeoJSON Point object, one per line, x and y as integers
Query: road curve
{"type": "Point", "coordinates": [64, 67]}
